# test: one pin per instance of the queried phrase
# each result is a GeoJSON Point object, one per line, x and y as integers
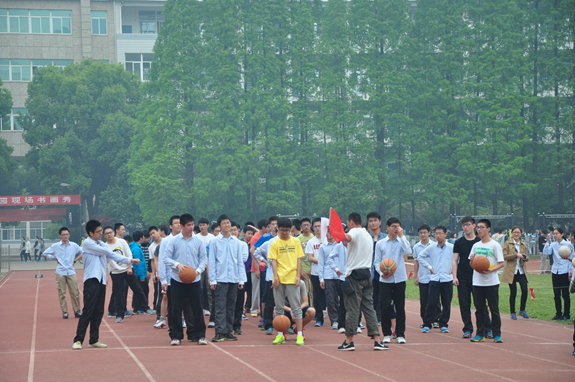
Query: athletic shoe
{"type": "Point", "coordinates": [386, 339]}
{"type": "Point", "coordinates": [557, 317]}
{"type": "Point", "coordinates": [78, 345]}
{"type": "Point", "coordinates": [279, 340]}
{"type": "Point", "coordinates": [254, 313]}
{"type": "Point", "coordinates": [378, 323]}
{"type": "Point", "coordinates": [231, 337]}
{"type": "Point", "coordinates": [361, 325]}
{"type": "Point", "coordinates": [379, 346]}
{"type": "Point", "coordinates": [393, 336]}
{"type": "Point", "coordinates": [261, 323]}
{"type": "Point", "coordinates": [111, 315]}
{"type": "Point", "coordinates": [513, 316]}
{"type": "Point", "coordinates": [334, 326]}
{"type": "Point", "coordinates": [346, 346]}
{"type": "Point", "coordinates": [318, 324]}
{"type": "Point", "coordinates": [299, 340]}
{"type": "Point", "coordinates": [425, 330]}
{"type": "Point", "coordinates": [184, 323]}
{"type": "Point", "coordinates": [262, 328]}
{"type": "Point", "coordinates": [98, 345]}
{"type": "Point", "coordinates": [467, 335]}
{"type": "Point", "coordinates": [489, 335]}
{"type": "Point", "coordinates": [149, 312]}
{"type": "Point", "coordinates": [238, 332]}
{"type": "Point", "coordinates": [523, 314]}
{"type": "Point", "coordinates": [341, 330]}
{"type": "Point", "coordinates": [401, 340]}
{"type": "Point", "coordinates": [290, 331]}
{"type": "Point", "coordinates": [206, 312]}
{"type": "Point", "coordinates": [435, 325]}
{"type": "Point", "coordinates": [202, 341]}
{"type": "Point", "coordinates": [211, 324]}
{"type": "Point", "coordinates": [244, 317]}
{"type": "Point", "coordinates": [65, 316]}
{"type": "Point", "coordinates": [359, 330]}
{"type": "Point", "coordinates": [498, 339]}
{"type": "Point", "coordinates": [128, 314]}
{"type": "Point", "coordinates": [175, 342]}
{"type": "Point", "coordinates": [119, 320]}
{"type": "Point", "coordinates": [566, 318]}
{"type": "Point", "coordinates": [218, 338]}
{"type": "Point", "coordinates": [573, 351]}
{"type": "Point", "coordinates": [78, 314]}
{"type": "Point", "coordinates": [270, 331]}
{"type": "Point", "coordinates": [161, 324]}
{"type": "Point", "coordinates": [478, 339]}
{"type": "Point", "coordinates": [444, 330]}
{"type": "Point", "coordinates": [139, 312]}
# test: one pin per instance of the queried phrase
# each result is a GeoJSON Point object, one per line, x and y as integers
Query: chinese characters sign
{"type": "Point", "coordinates": [38, 200]}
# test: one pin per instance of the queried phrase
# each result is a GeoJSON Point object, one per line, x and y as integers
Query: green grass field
{"type": "Point", "coordinates": [543, 307]}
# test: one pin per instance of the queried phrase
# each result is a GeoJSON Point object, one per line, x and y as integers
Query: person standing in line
{"type": "Point", "coordinates": [94, 254]}
{"type": "Point", "coordinates": [422, 274]}
{"type": "Point", "coordinates": [312, 252]}
{"type": "Point", "coordinates": [256, 297]}
{"type": "Point", "coordinates": [141, 271]}
{"type": "Point", "coordinates": [545, 266]}
{"type": "Point", "coordinates": [328, 280]}
{"type": "Point", "coordinates": [156, 239]}
{"type": "Point", "coordinates": [374, 229]}
{"type": "Point", "coordinates": [561, 273]}
{"type": "Point", "coordinates": [515, 271]}
{"type": "Point", "coordinates": [66, 254]}
{"type": "Point", "coordinates": [261, 255]}
{"type": "Point", "coordinates": [239, 308]}
{"type": "Point", "coordinates": [337, 261]}
{"type": "Point", "coordinates": [305, 236]}
{"type": "Point", "coordinates": [249, 232]}
{"type": "Point", "coordinates": [206, 237]}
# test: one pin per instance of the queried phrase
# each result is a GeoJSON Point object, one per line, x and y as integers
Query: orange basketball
{"type": "Point", "coordinates": [387, 267]}
{"type": "Point", "coordinates": [281, 323]}
{"type": "Point", "coordinates": [480, 263]}
{"type": "Point", "coordinates": [188, 275]}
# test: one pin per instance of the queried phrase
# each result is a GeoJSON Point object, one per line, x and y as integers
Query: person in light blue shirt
{"type": "Point", "coordinates": [95, 253]}
{"type": "Point", "coordinates": [421, 278]}
{"type": "Point", "coordinates": [227, 274]}
{"type": "Point", "coordinates": [337, 261]}
{"type": "Point", "coordinates": [66, 254]}
{"type": "Point", "coordinates": [394, 246]}
{"type": "Point", "coordinates": [561, 273]}
{"type": "Point", "coordinates": [261, 254]}
{"type": "Point", "coordinates": [328, 280]}
{"type": "Point", "coordinates": [183, 251]}
{"type": "Point", "coordinates": [438, 259]}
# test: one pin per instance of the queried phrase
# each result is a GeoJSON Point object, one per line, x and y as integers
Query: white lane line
{"type": "Point", "coordinates": [6, 280]}
{"type": "Point", "coordinates": [33, 346]}
{"type": "Point", "coordinates": [244, 363]}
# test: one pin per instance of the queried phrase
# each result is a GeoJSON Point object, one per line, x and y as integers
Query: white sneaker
{"type": "Point", "coordinates": [206, 312]}
{"type": "Point", "coordinates": [77, 345]}
{"type": "Point", "coordinates": [161, 324]}
{"type": "Point", "coordinates": [359, 330]}
{"type": "Point", "coordinates": [184, 323]}
{"type": "Point", "coordinates": [341, 330]}
{"type": "Point", "coordinates": [401, 340]}
{"type": "Point", "coordinates": [386, 339]}
{"type": "Point", "coordinates": [211, 324]}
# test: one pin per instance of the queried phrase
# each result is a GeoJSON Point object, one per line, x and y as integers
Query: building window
{"type": "Point", "coordinates": [126, 29]}
{"type": "Point", "coordinates": [10, 122]}
{"type": "Point", "coordinates": [139, 64]}
{"type": "Point", "coordinates": [23, 70]}
{"type": "Point", "coordinates": [35, 21]}
{"type": "Point", "coordinates": [150, 21]}
{"type": "Point", "coordinates": [99, 22]}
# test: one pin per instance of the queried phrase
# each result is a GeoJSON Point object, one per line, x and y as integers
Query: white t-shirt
{"type": "Point", "coordinates": [312, 247]}
{"type": "Point", "coordinates": [206, 239]}
{"type": "Point", "coordinates": [492, 250]}
{"type": "Point", "coordinates": [152, 249]}
{"type": "Point", "coordinates": [120, 247]}
{"type": "Point", "coordinates": [359, 250]}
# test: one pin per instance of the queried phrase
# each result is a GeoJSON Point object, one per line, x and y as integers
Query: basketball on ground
{"type": "Point", "coordinates": [188, 275]}
{"type": "Point", "coordinates": [481, 263]}
{"type": "Point", "coordinates": [281, 323]}
{"type": "Point", "coordinates": [387, 267]}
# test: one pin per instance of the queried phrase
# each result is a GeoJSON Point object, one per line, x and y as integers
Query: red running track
{"type": "Point", "coordinates": [36, 345]}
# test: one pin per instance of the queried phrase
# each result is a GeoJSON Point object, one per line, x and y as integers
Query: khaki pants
{"type": "Point", "coordinates": [72, 282]}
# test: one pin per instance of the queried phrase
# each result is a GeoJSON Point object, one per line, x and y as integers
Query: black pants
{"type": "Point", "coordinates": [36, 255]}
{"type": "Point", "coordinates": [465, 292]}
{"type": "Point", "coordinates": [157, 296]}
{"type": "Point", "coordinates": [269, 306]}
{"type": "Point", "coordinates": [376, 304]}
{"type": "Point", "coordinates": [522, 280]}
{"type": "Point", "coordinates": [205, 291]}
{"type": "Point", "coordinates": [225, 304]}
{"type": "Point", "coordinates": [491, 294]}
{"type": "Point", "coordinates": [146, 289]}
{"type": "Point", "coordinates": [436, 290]}
{"type": "Point", "coordinates": [239, 308]}
{"type": "Point", "coordinates": [22, 255]}
{"type": "Point", "coordinates": [138, 298]}
{"type": "Point", "coordinates": [248, 290]}
{"type": "Point", "coordinates": [188, 317]}
{"type": "Point", "coordinates": [395, 292]}
{"type": "Point", "coordinates": [181, 295]}
{"type": "Point", "coordinates": [93, 311]}
{"type": "Point", "coordinates": [318, 298]}
{"type": "Point", "coordinates": [561, 289]}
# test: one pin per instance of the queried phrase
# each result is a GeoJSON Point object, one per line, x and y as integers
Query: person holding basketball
{"type": "Point", "coordinates": [560, 273]}
{"type": "Point", "coordinates": [395, 246]}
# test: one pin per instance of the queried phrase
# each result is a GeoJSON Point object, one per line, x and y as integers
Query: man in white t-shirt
{"type": "Point", "coordinates": [486, 284]}
{"type": "Point", "coordinates": [312, 252]}
{"type": "Point", "coordinates": [358, 275]}
{"type": "Point", "coordinates": [205, 236]}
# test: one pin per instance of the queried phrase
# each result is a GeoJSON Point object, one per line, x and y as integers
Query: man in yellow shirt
{"type": "Point", "coordinates": [285, 254]}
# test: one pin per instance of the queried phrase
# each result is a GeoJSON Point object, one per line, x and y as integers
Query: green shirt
{"type": "Point", "coordinates": [305, 265]}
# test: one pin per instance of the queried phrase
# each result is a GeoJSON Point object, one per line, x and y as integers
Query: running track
{"type": "Point", "coordinates": [36, 345]}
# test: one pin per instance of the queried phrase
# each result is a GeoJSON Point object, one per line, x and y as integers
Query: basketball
{"type": "Point", "coordinates": [564, 252]}
{"type": "Point", "coordinates": [573, 262]}
{"type": "Point", "coordinates": [281, 323]}
{"type": "Point", "coordinates": [387, 267]}
{"type": "Point", "coordinates": [481, 263]}
{"type": "Point", "coordinates": [187, 275]}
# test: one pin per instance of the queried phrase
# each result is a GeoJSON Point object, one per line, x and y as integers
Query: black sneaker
{"type": "Point", "coordinates": [346, 346]}
{"type": "Point", "coordinates": [435, 325]}
{"type": "Point", "coordinates": [77, 315]}
{"type": "Point", "coordinates": [231, 337]}
{"type": "Point", "coordinates": [218, 338]}
{"type": "Point", "coordinates": [238, 332]}
{"type": "Point", "coordinates": [379, 346]}
{"type": "Point", "coordinates": [557, 317]}
{"type": "Point", "coordinates": [65, 316]}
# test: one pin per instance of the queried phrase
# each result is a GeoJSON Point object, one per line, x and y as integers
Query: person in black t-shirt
{"type": "Point", "coordinates": [463, 276]}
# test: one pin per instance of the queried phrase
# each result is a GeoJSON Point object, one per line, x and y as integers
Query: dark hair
{"type": "Point", "coordinates": [355, 218]}
{"type": "Point", "coordinates": [197, 229]}
{"type": "Point", "coordinates": [262, 223]}
{"type": "Point", "coordinates": [273, 218]}
{"type": "Point", "coordinates": [145, 233]}
{"type": "Point", "coordinates": [128, 238]}
{"type": "Point", "coordinates": [117, 226]}
{"type": "Point", "coordinates": [91, 226]}
{"type": "Point", "coordinates": [441, 227]}
{"type": "Point", "coordinates": [185, 219]}
{"type": "Point", "coordinates": [137, 235]}
{"type": "Point", "coordinates": [152, 228]}
{"type": "Point", "coordinates": [164, 228]}
{"type": "Point", "coordinates": [222, 218]}
{"type": "Point", "coordinates": [297, 224]}
{"type": "Point", "coordinates": [174, 218]}
{"type": "Point", "coordinates": [560, 231]}
{"type": "Point", "coordinates": [544, 231]}
{"type": "Point", "coordinates": [374, 214]}
{"type": "Point", "coordinates": [392, 220]}
{"type": "Point", "coordinates": [315, 220]}
{"type": "Point", "coordinates": [107, 227]}
{"type": "Point", "coordinates": [62, 229]}
{"type": "Point", "coordinates": [284, 223]}
{"type": "Point", "coordinates": [246, 229]}
{"type": "Point", "coordinates": [424, 226]}
{"type": "Point", "coordinates": [486, 222]}
{"type": "Point", "coordinates": [249, 222]}
{"type": "Point", "coordinates": [214, 226]}
{"type": "Point", "coordinates": [516, 227]}
{"type": "Point", "coordinates": [235, 224]}
{"type": "Point", "coordinates": [550, 228]}
{"type": "Point", "coordinates": [204, 221]}
{"type": "Point", "coordinates": [468, 219]}
{"type": "Point", "coordinates": [305, 220]}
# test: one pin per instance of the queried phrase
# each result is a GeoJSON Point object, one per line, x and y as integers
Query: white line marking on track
{"type": "Point", "coordinates": [33, 345]}
{"type": "Point", "coordinates": [244, 363]}
{"type": "Point", "coordinates": [6, 280]}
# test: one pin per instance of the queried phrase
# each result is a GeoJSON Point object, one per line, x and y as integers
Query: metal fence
{"type": "Point", "coordinates": [5, 259]}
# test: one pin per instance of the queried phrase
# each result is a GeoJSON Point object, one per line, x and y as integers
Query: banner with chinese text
{"type": "Point", "coordinates": [38, 200]}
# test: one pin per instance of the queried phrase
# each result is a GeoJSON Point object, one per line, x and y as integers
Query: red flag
{"type": "Point", "coordinates": [335, 227]}
{"type": "Point", "coordinates": [532, 294]}
{"type": "Point", "coordinates": [410, 275]}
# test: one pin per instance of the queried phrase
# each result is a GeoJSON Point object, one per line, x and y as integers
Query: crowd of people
{"type": "Point", "coordinates": [278, 266]}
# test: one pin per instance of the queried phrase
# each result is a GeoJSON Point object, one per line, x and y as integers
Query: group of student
{"type": "Point", "coordinates": [290, 272]}
{"type": "Point", "coordinates": [26, 248]}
